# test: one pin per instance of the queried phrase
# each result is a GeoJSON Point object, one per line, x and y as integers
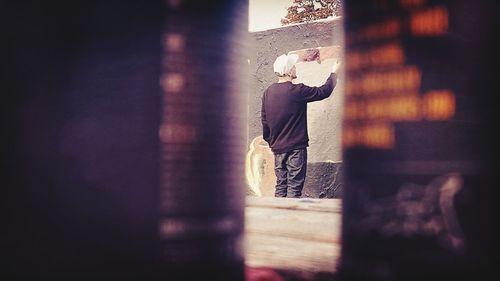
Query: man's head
{"type": "Point", "coordinates": [284, 65]}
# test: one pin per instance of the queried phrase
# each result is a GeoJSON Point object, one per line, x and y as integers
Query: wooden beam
{"type": "Point", "coordinates": [299, 235]}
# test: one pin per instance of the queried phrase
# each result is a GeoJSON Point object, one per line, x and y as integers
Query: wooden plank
{"type": "Point", "coordinates": [298, 235]}
{"type": "Point", "coordinates": [312, 204]}
{"type": "Point", "coordinates": [306, 225]}
{"type": "Point", "coordinates": [284, 253]}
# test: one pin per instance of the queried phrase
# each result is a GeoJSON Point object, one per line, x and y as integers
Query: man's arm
{"type": "Point", "coordinates": [310, 94]}
{"type": "Point", "coordinates": [265, 127]}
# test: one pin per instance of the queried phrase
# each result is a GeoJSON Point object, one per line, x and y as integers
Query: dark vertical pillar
{"type": "Point", "coordinates": [202, 140]}
{"type": "Point", "coordinates": [80, 192]}
{"type": "Point", "coordinates": [418, 202]}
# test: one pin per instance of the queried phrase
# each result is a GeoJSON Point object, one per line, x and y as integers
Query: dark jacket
{"type": "Point", "coordinates": [284, 113]}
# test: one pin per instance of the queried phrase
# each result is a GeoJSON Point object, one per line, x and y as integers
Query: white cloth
{"type": "Point", "coordinates": [284, 64]}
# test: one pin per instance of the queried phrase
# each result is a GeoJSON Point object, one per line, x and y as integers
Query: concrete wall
{"type": "Point", "coordinates": [324, 117]}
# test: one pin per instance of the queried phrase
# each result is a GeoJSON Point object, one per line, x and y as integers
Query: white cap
{"type": "Point", "coordinates": [284, 64]}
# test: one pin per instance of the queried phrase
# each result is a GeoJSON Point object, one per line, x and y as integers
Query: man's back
{"type": "Point", "coordinates": [284, 113]}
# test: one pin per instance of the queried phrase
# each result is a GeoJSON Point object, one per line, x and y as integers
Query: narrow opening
{"type": "Point", "coordinates": [295, 234]}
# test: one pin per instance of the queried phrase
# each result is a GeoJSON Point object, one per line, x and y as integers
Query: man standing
{"type": "Point", "coordinates": [284, 123]}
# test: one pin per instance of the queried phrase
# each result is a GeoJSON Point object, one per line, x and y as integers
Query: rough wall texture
{"type": "Point", "coordinates": [324, 117]}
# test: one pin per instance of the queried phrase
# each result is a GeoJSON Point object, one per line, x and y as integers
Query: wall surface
{"type": "Point", "coordinates": [324, 117]}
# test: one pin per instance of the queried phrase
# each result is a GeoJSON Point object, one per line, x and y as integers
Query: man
{"type": "Point", "coordinates": [284, 123]}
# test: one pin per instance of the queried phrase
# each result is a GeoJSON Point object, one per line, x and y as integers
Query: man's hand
{"type": "Point", "coordinates": [336, 66]}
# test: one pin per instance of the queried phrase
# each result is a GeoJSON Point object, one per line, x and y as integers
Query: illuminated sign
{"type": "Point", "coordinates": [382, 88]}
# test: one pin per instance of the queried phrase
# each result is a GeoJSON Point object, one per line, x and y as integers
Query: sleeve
{"type": "Point", "coordinates": [265, 127]}
{"type": "Point", "coordinates": [310, 94]}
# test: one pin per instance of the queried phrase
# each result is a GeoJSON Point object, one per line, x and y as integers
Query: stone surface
{"type": "Point", "coordinates": [324, 180]}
